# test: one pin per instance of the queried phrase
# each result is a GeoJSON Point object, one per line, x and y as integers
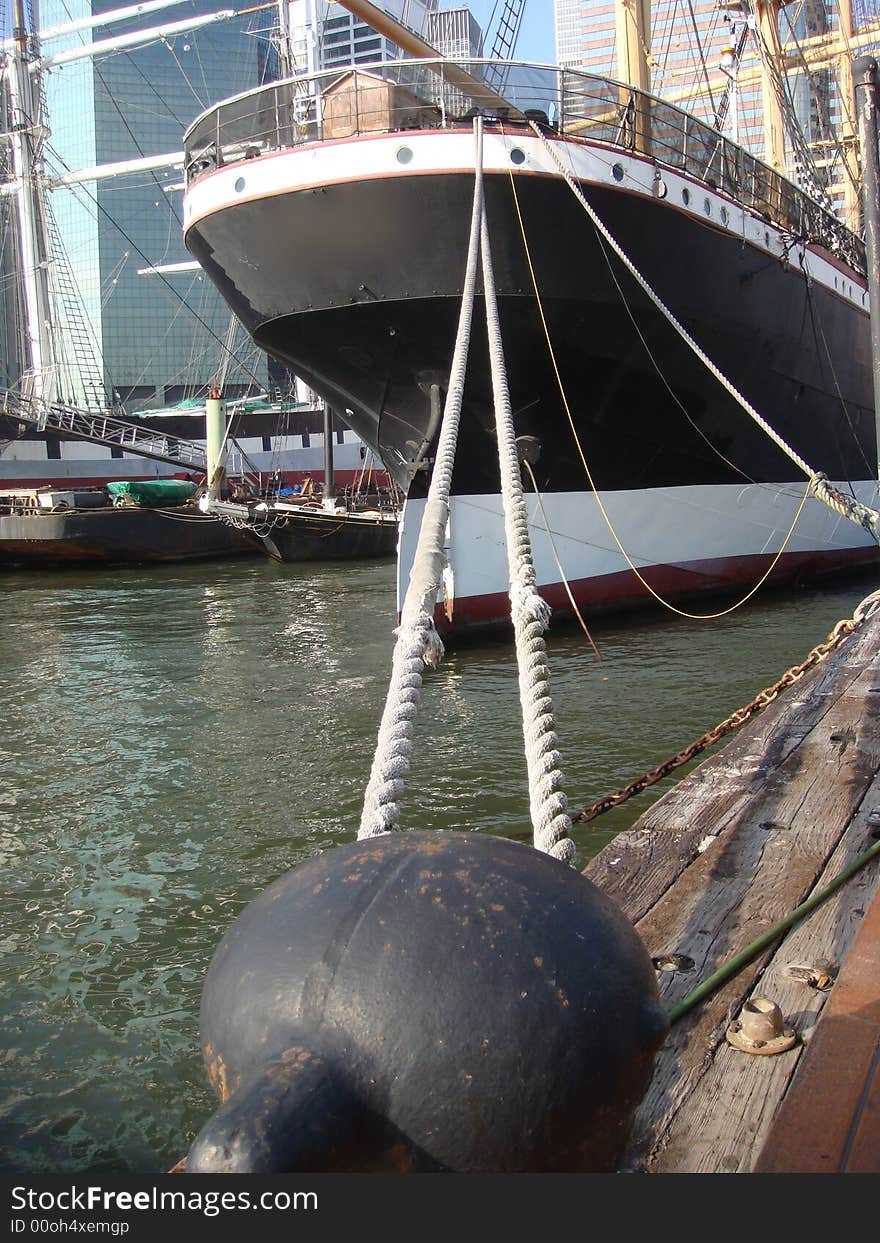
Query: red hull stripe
{"type": "Point", "coordinates": [673, 582]}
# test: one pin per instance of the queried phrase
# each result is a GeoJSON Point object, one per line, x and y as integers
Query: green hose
{"type": "Point", "coordinates": [735, 964]}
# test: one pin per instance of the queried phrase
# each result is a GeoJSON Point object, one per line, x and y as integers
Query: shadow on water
{"type": "Point", "coordinates": [177, 737]}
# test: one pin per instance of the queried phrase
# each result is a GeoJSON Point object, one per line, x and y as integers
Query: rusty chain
{"type": "Point", "coordinates": [838, 635]}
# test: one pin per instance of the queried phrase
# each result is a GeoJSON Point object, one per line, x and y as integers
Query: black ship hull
{"type": "Point", "coordinates": [118, 536]}
{"type": "Point", "coordinates": [622, 409]}
{"type": "Point", "coordinates": [322, 535]}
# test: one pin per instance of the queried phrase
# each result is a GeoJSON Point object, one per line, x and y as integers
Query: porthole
{"type": "Point", "coordinates": [617, 172]}
{"type": "Point", "coordinates": [724, 215]}
{"type": "Point", "coordinates": [239, 184]}
{"type": "Point", "coordinates": [707, 207]}
{"type": "Point", "coordinates": [404, 155]}
{"type": "Point", "coordinates": [517, 156]}
{"type": "Point", "coordinates": [685, 196]}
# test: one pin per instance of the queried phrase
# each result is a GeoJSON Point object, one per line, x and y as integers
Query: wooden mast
{"type": "Point", "coordinates": [772, 73]}
{"type": "Point", "coordinates": [633, 30]}
{"type": "Point", "coordinates": [848, 137]}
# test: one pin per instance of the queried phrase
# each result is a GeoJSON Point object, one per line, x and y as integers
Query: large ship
{"type": "Point", "coordinates": [332, 211]}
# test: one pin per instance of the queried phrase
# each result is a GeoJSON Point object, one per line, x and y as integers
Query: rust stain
{"type": "Point", "coordinates": [428, 847]}
{"type": "Point", "coordinates": [293, 1059]}
{"type": "Point", "coordinates": [400, 1159]}
{"type": "Point", "coordinates": [217, 1074]}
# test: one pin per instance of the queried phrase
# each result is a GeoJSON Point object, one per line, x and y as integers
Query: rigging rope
{"type": "Point", "coordinates": [847, 507]}
{"type": "Point", "coordinates": [530, 613]}
{"type": "Point", "coordinates": [417, 641]}
{"type": "Point", "coordinates": [605, 515]}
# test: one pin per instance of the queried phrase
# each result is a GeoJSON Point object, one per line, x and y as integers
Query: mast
{"type": "Point", "coordinates": [285, 45]}
{"type": "Point", "coordinates": [633, 30]}
{"type": "Point", "coordinates": [40, 366]}
{"type": "Point", "coordinates": [633, 27]}
{"type": "Point", "coordinates": [864, 73]}
{"type": "Point", "coordinates": [767, 19]}
{"type": "Point", "coordinates": [848, 136]}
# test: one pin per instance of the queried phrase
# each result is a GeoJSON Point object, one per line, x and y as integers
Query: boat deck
{"type": "Point", "coordinates": [754, 831]}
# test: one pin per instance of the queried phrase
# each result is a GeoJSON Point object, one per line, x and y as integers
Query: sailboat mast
{"type": "Point", "coordinates": [633, 31]}
{"type": "Point", "coordinates": [848, 135]}
{"type": "Point", "coordinates": [864, 73]}
{"type": "Point", "coordinates": [285, 40]}
{"type": "Point", "coordinates": [767, 21]}
{"type": "Point", "coordinates": [25, 139]}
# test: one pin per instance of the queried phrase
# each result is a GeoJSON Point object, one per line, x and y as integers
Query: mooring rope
{"type": "Point", "coordinates": [530, 613]}
{"type": "Point", "coordinates": [848, 507]}
{"type": "Point", "coordinates": [417, 642]}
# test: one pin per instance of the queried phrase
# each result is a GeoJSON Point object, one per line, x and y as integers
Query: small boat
{"type": "Point", "coordinates": [316, 532]}
{"type": "Point", "coordinates": [308, 521]}
{"type": "Point", "coordinates": [124, 523]}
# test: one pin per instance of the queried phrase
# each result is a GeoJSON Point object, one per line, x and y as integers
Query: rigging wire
{"type": "Point", "coordinates": [199, 313]}
{"type": "Point", "coordinates": [818, 92]}
{"type": "Point", "coordinates": [819, 332]}
{"type": "Point", "coordinates": [63, 165]}
{"type": "Point", "coordinates": [811, 478]}
{"type": "Point", "coordinates": [703, 64]}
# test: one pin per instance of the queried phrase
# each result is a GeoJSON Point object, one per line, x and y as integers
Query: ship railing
{"type": "Point", "coordinates": [393, 96]}
{"type": "Point", "coordinates": [104, 430]}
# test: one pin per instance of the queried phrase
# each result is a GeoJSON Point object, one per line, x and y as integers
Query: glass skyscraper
{"type": "Point", "coordinates": [162, 337]}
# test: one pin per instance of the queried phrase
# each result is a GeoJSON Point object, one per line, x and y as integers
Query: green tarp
{"type": "Point", "coordinates": [153, 491]}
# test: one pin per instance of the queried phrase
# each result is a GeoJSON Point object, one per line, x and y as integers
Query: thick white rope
{"type": "Point", "coordinates": [847, 506]}
{"type": "Point", "coordinates": [531, 614]}
{"type": "Point", "coordinates": [418, 643]}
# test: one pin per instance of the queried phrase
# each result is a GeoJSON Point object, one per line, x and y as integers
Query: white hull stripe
{"type": "Point", "coordinates": [372, 157]}
{"type": "Point", "coordinates": [660, 526]}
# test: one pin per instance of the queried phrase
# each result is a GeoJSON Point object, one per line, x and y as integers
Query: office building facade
{"type": "Point", "coordinates": [687, 47]}
{"type": "Point", "coordinates": [327, 36]}
{"type": "Point", "coordinates": [167, 335]}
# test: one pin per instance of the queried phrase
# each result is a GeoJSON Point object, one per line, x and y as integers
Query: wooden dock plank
{"type": "Point", "coordinates": [732, 1102]}
{"type": "Point", "coordinates": [745, 838]}
{"type": "Point", "coordinates": [638, 866]}
{"type": "Point", "coordinates": [817, 1131]}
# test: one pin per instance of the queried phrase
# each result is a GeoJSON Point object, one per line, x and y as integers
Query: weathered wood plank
{"type": "Point", "coordinates": [720, 1123]}
{"type": "Point", "coordinates": [733, 848]}
{"type": "Point", "coordinates": [638, 866]}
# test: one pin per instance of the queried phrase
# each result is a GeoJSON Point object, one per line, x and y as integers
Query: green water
{"type": "Point", "coordinates": [175, 738]}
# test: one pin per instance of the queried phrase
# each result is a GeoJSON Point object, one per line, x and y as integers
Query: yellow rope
{"type": "Point", "coordinates": [562, 575]}
{"type": "Point", "coordinates": [660, 599]}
